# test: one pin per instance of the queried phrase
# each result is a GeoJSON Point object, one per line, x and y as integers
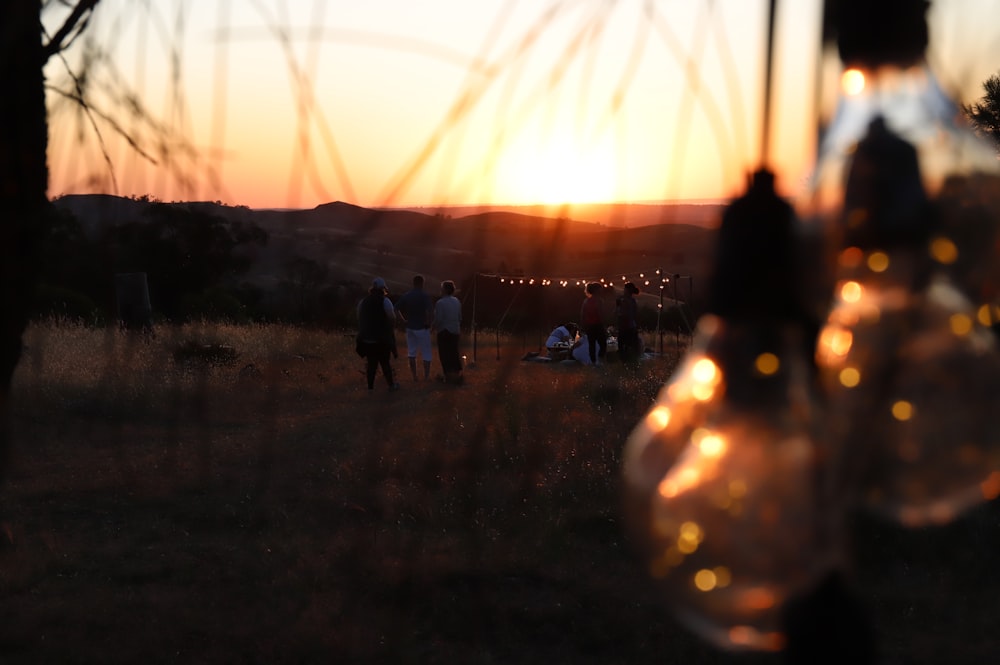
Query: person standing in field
{"type": "Point", "coordinates": [416, 309]}
{"type": "Point", "coordinates": [448, 324]}
{"type": "Point", "coordinates": [627, 312]}
{"type": "Point", "coordinates": [376, 336]}
{"type": "Point", "coordinates": [592, 323]}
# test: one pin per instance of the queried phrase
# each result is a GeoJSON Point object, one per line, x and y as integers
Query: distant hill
{"type": "Point", "coordinates": [357, 243]}
{"type": "Point", "coordinates": [619, 215]}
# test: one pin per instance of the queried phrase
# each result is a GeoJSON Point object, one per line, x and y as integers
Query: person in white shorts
{"type": "Point", "coordinates": [416, 309]}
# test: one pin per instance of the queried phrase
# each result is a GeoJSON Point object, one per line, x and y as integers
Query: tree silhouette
{"type": "Point", "coordinates": [985, 114]}
{"type": "Point", "coordinates": [23, 172]}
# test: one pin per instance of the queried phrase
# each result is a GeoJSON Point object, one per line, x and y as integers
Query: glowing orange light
{"type": "Point", "coordinates": [944, 251]}
{"type": "Point", "coordinates": [985, 315]}
{"type": "Point", "coordinates": [852, 82]}
{"type": "Point", "coordinates": [878, 262]}
{"type": "Point", "coordinates": [668, 489]}
{"type": "Point", "coordinates": [767, 364]}
{"type": "Point", "coordinates": [961, 324]}
{"type": "Point", "coordinates": [851, 292]}
{"type": "Point", "coordinates": [841, 341]}
{"type": "Point", "coordinates": [691, 531]}
{"type": "Point", "coordinates": [722, 576]}
{"type": "Point", "coordinates": [690, 476]}
{"type": "Point", "coordinates": [687, 546]}
{"type": "Point", "coordinates": [702, 392]}
{"type": "Point", "coordinates": [712, 445]}
{"type": "Point", "coordinates": [849, 377]}
{"type": "Point", "coordinates": [991, 486]}
{"type": "Point", "coordinates": [747, 636]}
{"type": "Point", "coordinates": [704, 371]}
{"type": "Point", "coordinates": [759, 598]}
{"type": "Point", "coordinates": [902, 410]}
{"type": "Point", "coordinates": [834, 341]}
{"type": "Point", "coordinates": [742, 635]}
{"type": "Point", "coordinates": [658, 419]}
{"type": "Point", "coordinates": [851, 257]}
{"type": "Point", "coordinates": [705, 580]}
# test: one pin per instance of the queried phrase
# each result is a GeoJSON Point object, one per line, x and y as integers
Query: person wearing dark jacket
{"type": "Point", "coordinates": [376, 337]}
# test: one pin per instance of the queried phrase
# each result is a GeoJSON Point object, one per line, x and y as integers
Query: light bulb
{"type": "Point", "coordinates": [907, 197]}
{"type": "Point", "coordinates": [909, 370]}
{"type": "Point", "coordinates": [879, 70]}
{"type": "Point", "coordinates": [724, 487]}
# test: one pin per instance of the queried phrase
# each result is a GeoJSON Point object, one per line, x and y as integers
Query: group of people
{"type": "Point", "coordinates": [421, 315]}
{"type": "Point", "coordinates": [588, 342]}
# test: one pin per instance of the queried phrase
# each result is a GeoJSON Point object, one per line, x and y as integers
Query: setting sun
{"type": "Point", "coordinates": [556, 170]}
{"type": "Point", "coordinates": [388, 103]}
{"type": "Point", "coordinates": [274, 104]}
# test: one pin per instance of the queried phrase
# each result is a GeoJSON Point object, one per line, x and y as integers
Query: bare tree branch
{"type": "Point", "coordinates": [74, 25]}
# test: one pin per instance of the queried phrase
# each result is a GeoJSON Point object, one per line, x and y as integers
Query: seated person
{"type": "Point", "coordinates": [581, 352]}
{"type": "Point", "coordinates": [561, 340]}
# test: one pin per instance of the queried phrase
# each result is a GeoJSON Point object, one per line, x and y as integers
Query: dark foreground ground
{"type": "Point", "coordinates": [290, 517]}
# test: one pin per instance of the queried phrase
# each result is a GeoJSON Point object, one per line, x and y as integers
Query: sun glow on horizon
{"type": "Point", "coordinates": [274, 104]}
{"type": "Point", "coordinates": [557, 169]}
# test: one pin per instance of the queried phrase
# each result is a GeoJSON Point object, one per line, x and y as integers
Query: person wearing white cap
{"type": "Point", "coordinates": [376, 337]}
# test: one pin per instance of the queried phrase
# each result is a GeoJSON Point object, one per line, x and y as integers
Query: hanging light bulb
{"type": "Point", "coordinates": [910, 372]}
{"type": "Point", "coordinates": [878, 60]}
{"type": "Point", "coordinates": [905, 193]}
{"type": "Point", "coordinates": [723, 482]}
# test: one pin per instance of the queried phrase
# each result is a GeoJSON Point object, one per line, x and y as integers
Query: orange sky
{"type": "Point", "coordinates": [388, 102]}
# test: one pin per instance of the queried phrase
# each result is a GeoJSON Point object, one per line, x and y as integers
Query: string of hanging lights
{"type": "Point", "coordinates": [655, 279]}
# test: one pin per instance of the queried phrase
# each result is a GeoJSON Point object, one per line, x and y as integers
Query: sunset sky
{"type": "Point", "coordinates": [281, 103]}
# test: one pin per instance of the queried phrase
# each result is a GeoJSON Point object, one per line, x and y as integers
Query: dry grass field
{"type": "Point", "coordinates": [236, 495]}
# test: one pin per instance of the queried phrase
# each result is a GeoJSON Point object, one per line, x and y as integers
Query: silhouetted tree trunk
{"type": "Point", "coordinates": [23, 183]}
{"type": "Point", "coordinates": [23, 173]}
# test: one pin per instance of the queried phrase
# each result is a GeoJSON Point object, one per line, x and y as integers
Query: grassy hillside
{"type": "Point", "coordinates": [235, 494]}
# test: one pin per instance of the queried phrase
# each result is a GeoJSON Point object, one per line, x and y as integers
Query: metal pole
{"type": "Point", "coordinates": [690, 300]}
{"type": "Point", "coordinates": [475, 330]}
{"type": "Point", "coordinates": [677, 278]}
{"type": "Point", "coordinates": [659, 313]}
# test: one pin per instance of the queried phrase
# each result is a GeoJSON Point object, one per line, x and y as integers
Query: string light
{"type": "Point", "coordinates": [578, 281]}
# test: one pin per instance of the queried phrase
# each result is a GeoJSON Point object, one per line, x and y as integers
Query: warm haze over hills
{"type": "Point", "coordinates": [454, 242]}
